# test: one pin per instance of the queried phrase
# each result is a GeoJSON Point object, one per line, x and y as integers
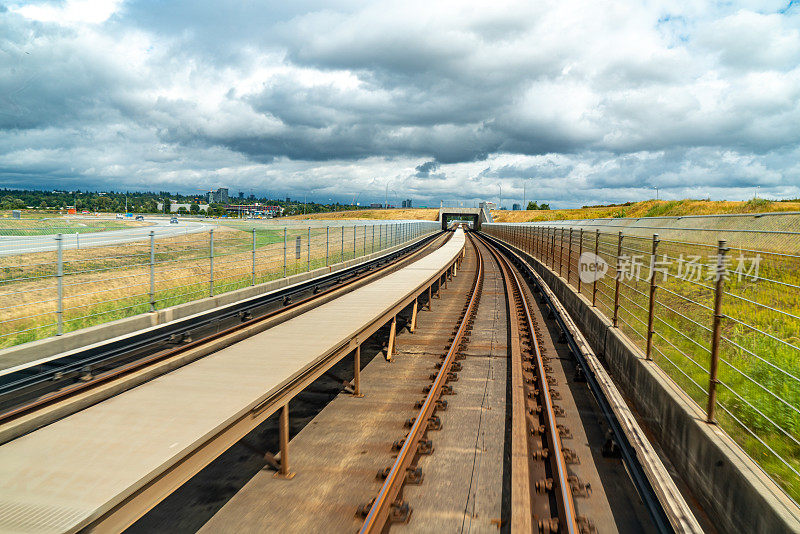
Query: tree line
{"type": "Point", "coordinates": [143, 202]}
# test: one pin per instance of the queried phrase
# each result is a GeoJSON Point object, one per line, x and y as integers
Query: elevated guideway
{"type": "Point", "coordinates": [105, 466]}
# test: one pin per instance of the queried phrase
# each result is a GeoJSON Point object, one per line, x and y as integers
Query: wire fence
{"type": "Point", "coordinates": [717, 308]}
{"type": "Point", "coordinates": [62, 287]}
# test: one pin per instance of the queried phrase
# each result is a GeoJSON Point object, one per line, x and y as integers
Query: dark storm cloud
{"type": "Point", "coordinates": [448, 99]}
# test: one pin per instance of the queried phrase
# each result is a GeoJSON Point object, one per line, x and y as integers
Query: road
{"type": "Point", "coordinates": [161, 228]}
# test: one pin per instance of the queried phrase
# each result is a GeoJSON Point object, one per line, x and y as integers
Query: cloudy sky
{"type": "Point", "coordinates": [584, 101]}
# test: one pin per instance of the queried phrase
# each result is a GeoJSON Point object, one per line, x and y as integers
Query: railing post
{"type": "Point", "coordinates": [560, 249]}
{"type": "Point", "coordinates": [652, 303]}
{"type": "Point", "coordinates": [553, 251]}
{"type": "Point", "coordinates": [354, 241]}
{"type": "Point", "coordinates": [569, 254]}
{"type": "Point", "coordinates": [152, 271]}
{"type": "Point", "coordinates": [308, 251]}
{"type": "Point", "coordinates": [373, 239]}
{"type": "Point", "coordinates": [327, 243]}
{"type": "Point", "coordinates": [211, 262]}
{"type": "Point", "coordinates": [253, 282]}
{"type": "Point", "coordinates": [380, 237]}
{"type": "Point", "coordinates": [580, 253]}
{"type": "Point", "coordinates": [365, 240]}
{"type": "Point", "coordinates": [618, 277]}
{"type": "Point", "coordinates": [357, 372]}
{"type": "Point", "coordinates": [342, 242]}
{"type": "Point", "coordinates": [719, 289]}
{"type": "Point", "coordinates": [284, 252]}
{"type": "Point", "coordinates": [60, 285]}
{"type": "Point", "coordinates": [596, 251]}
{"type": "Point", "coordinates": [77, 241]}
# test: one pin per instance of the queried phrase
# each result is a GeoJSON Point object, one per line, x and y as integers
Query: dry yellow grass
{"type": "Point", "coordinates": [648, 208]}
{"type": "Point", "coordinates": [422, 214]}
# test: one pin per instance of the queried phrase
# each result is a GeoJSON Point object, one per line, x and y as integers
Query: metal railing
{"type": "Point", "coordinates": [722, 318]}
{"type": "Point", "coordinates": [61, 288]}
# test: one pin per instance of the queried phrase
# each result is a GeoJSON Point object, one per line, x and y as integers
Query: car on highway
{"type": "Point", "coordinates": [140, 217]}
{"type": "Point", "coordinates": [173, 220]}
{"type": "Point", "coordinates": [120, 216]}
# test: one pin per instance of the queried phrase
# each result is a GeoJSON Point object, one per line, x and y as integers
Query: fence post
{"type": "Point", "coordinates": [719, 289]}
{"type": "Point", "coordinates": [327, 243]}
{"type": "Point", "coordinates": [553, 250]}
{"type": "Point", "coordinates": [560, 249]}
{"type": "Point", "coordinates": [308, 251]}
{"type": "Point", "coordinates": [60, 284]}
{"type": "Point", "coordinates": [652, 304]}
{"type": "Point", "coordinates": [365, 240]}
{"type": "Point", "coordinates": [569, 254]}
{"type": "Point", "coordinates": [284, 252]}
{"type": "Point", "coordinates": [618, 277]}
{"type": "Point", "coordinates": [152, 271]}
{"type": "Point", "coordinates": [580, 253]}
{"type": "Point", "coordinates": [380, 237]}
{"type": "Point", "coordinates": [354, 241]}
{"type": "Point", "coordinates": [211, 262]}
{"type": "Point", "coordinates": [373, 238]}
{"type": "Point", "coordinates": [253, 282]}
{"type": "Point", "coordinates": [77, 241]}
{"type": "Point", "coordinates": [596, 251]}
{"type": "Point", "coordinates": [342, 242]}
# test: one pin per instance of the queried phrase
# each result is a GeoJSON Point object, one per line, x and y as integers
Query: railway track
{"type": "Point", "coordinates": [553, 487]}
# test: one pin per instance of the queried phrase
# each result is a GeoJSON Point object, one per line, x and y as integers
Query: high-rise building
{"type": "Point", "coordinates": [220, 196]}
{"type": "Point", "coordinates": [241, 194]}
{"type": "Point", "coordinates": [406, 203]}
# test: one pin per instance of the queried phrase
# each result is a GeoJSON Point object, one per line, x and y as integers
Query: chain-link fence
{"type": "Point", "coordinates": [60, 284]}
{"type": "Point", "coordinates": [714, 301]}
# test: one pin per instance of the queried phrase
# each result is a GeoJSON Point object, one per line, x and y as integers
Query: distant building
{"type": "Point", "coordinates": [406, 203]}
{"type": "Point", "coordinates": [251, 197]}
{"type": "Point", "coordinates": [241, 194]}
{"type": "Point", "coordinates": [253, 210]}
{"type": "Point", "coordinates": [487, 205]}
{"type": "Point", "coordinates": [376, 205]}
{"type": "Point", "coordinates": [220, 196]}
{"type": "Point", "coordinates": [515, 207]}
{"type": "Point", "coordinates": [288, 200]}
{"type": "Point", "coordinates": [174, 206]}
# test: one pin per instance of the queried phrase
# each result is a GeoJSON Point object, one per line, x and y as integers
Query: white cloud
{"type": "Point", "coordinates": [70, 11]}
{"type": "Point", "coordinates": [591, 100]}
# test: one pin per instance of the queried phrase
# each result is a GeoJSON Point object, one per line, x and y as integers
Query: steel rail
{"type": "Point", "coordinates": [568, 517]}
{"type": "Point", "coordinates": [378, 515]}
{"type": "Point", "coordinates": [44, 372]}
{"type": "Point", "coordinates": [629, 454]}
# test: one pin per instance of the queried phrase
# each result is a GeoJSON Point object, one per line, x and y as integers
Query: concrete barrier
{"type": "Point", "coordinates": [732, 489]}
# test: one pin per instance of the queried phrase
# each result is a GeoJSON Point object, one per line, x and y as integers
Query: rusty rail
{"type": "Point", "coordinates": [567, 516]}
{"type": "Point", "coordinates": [381, 509]}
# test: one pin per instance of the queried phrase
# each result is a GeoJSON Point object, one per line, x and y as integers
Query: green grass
{"type": "Point", "coordinates": [751, 411]}
{"type": "Point", "coordinates": [37, 227]}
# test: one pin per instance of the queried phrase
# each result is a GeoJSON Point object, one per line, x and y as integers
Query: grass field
{"type": "Point", "coordinates": [33, 226]}
{"type": "Point", "coordinates": [106, 283]}
{"type": "Point", "coordinates": [759, 373]}
{"type": "Point", "coordinates": [648, 208]}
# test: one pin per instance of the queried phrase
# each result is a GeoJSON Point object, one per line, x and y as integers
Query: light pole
{"type": "Point", "coordinates": [656, 188]}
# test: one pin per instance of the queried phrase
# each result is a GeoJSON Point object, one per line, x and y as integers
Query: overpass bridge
{"type": "Point", "coordinates": [457, 375]}
{"type": "Point", "coordinates": [476, 216]}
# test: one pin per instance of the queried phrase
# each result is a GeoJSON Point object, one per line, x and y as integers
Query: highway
{"type": "Point", "coordinates": [161, 227]}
